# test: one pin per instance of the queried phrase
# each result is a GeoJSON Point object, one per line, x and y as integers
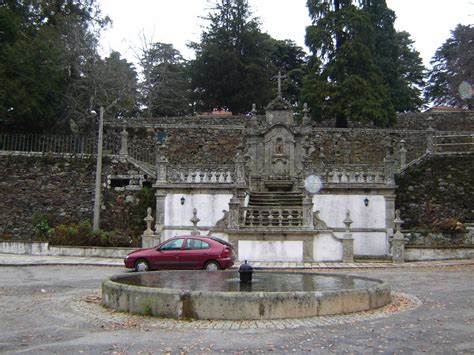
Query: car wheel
{"type": "Point", "coordinates": [212, 266]}
{"type": "Point", "coordinates": [142, 265]}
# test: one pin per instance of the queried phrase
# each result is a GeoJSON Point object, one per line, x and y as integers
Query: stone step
{"type": "Point", "coordinates": [274, 199]}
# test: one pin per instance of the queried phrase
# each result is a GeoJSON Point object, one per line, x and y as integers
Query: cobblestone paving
{"type": "Point", "coordinates": [55, 309]}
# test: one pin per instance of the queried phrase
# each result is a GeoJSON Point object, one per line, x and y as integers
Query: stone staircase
{"type": "Point", "coordinates": [277, 209]}
{"type": "Point", "coordinates": [275, 199]}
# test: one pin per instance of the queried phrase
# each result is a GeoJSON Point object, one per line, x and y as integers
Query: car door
{"type": "Point", "coordinates": [166, 256]}
{"type": "Point", "coordinates": [194, 254]}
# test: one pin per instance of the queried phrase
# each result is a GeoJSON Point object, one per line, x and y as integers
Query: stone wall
{"type": "Point", "coordinates": [437, 193]}
{"type": "Point", "coordinates": [63, 191]}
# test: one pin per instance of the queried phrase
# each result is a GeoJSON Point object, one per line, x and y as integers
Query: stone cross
{"type": "Point", "coordinates": [279, 77]}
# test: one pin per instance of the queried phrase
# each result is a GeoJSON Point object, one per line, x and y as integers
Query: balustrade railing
{"type": "Point", "coordinates": [271, 217]}
{"type": "Point", "coordinates": [353, 174]}
{"type": "Point", "coordinates": [185, 175]}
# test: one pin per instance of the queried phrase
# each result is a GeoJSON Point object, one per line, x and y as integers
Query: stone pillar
{"type": "Point", "coordinates": [195, 220]}
{"type": "Point", "coordinates": [403, 155]}
{"type": "Point", "coordinates": [308, 212]}
{"type": "Point", "coordinates": [149, 239]}
{"type": "Point", "coordinates": [160, 196]}
{"type": "Point", "coordinates": [234, 206]}
{"type": "Point", "coordinates": [348, 241]}
{"type": "Point", "coordinates": [430, 132]}
{"type": "Point", "coordinates": [398, 241]}
{"type": "Point", "coordinates": [240, 167]}
{"type": "Point", "coordinates": [388, 168]}
{"type": "Point", "coordinates": [161, 164]}
{"type": "Point", "coordinates": [389, 213]}
{"type": "Point", "coordinates": [124, 142]}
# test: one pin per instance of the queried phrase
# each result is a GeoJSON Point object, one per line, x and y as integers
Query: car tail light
{"type": "Point", "coordinates": [226, 253]}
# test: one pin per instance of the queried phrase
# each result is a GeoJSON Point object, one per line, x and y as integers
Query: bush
{"type": "Point", "coordinates": [40, 224]}
{"type": "Point", "coordinates": [82, 235]}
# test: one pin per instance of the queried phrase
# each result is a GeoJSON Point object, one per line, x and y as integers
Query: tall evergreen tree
{"type": "Point", "coordinates": [50, 71]}
{"type": "Point", "coordinates": [232, 66]}
{"type": "Point", "coordinates": [165, 90]}
{"type": "Point", "coordinates": [451, 79]}
{"type": "Point", "coordinates": [400, 64]}
{"type": "Point", "coordinates": [348, 80]}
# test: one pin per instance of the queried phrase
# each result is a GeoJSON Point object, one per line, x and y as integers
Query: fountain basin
{"type": "Point", "coordinates": [220, 295]}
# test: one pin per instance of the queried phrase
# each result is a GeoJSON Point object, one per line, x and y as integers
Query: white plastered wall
{"type": "Point", "coordinates": [372, 217]}
{"type": "Point", "coordinates": [209, 211]}
{"type": "Point", "coordinates": [289, 251]}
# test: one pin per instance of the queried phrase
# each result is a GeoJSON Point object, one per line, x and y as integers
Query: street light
{"type": "Point", "coordinates": [98, 172]}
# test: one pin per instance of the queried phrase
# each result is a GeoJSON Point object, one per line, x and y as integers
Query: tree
{"type": "Point", "coordinates": [165, 90]}
{"type": "Point", "coordinates": [400, 64]}
{"type": "Point", "coordinates": [233, 60]}
{"type": "Point", "coordinates": [48, 58]}
{"type": "Point", "coordinates": [349, 82]}
{"type": "Point", "coordinates": [453, 69]}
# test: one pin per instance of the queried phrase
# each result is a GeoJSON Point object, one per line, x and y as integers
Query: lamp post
{"type": "Point", "coordinates": [98, 172]}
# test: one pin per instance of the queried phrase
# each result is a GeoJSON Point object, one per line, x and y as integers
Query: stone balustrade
{"type": "Point", "coordinates": [268, 218]}
{"type": "Point", "coordinates": [186, 175]}
{"type": "Point", "coordinates": [355, 174]}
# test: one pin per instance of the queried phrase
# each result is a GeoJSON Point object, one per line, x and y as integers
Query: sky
{"type": "Point", "coordinates": [180, 21]}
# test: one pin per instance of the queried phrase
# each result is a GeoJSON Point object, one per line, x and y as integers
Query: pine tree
{"type": "Point", "coordinates": [451, 79]}
{"type": "Point", "coordinates": [232, 68]}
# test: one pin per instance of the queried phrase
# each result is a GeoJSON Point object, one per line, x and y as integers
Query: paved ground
{"type": "Point", "coordinates": [54, 309]}
{"type": "Point", "coordinates": [24, 260]}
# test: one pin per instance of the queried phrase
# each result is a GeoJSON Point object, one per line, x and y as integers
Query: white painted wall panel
{"type": "Point", "coordinates": [209, 208]}
{"type": "Point", "coordinates": [369, 243]}
{"type": "Point", "coordinates": [333, 210]}
{"type": "Point", "coordinates": [326, 248]}
{"type": "Point", "coordinates": [289, 251]}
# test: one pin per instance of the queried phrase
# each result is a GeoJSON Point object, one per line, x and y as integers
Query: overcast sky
{"type": "Point", "coordinates": [178, 22]}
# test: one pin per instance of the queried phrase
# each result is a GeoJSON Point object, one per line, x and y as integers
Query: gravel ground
{"type": "Point", "coordinates": [55, 309]}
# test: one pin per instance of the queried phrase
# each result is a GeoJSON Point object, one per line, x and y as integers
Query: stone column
{"type": "Point", "coordinates": [398, 241]}
{"type": "Point", "coordinates": [430, 132]}
{"type": "Point", "coordinates": [234, 205]}
{"type": "Point", "coordinates": [403, 155]}
{"type": "Point", "coordinates": [160, 196]}
{"type": "Point", "coordinates": [389, 213]}
{"type": "Point", "coordinates": [348, 241]}
{"type": "Point", "coordinates": [124, 142]}
{"type": "Point", "coordinates": [195, 220]}
{"type": "Point", "coordinates": [161, 164]}
{"type": "Point", "coordinates": [308, 212]}
{"type": "Point", "coordinates": [388, 169]}
{"type": "Point", "coordinates": [149, 239]}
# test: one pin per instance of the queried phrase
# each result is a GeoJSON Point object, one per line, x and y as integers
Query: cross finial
{"type": "Point", "coordinates": [279, 77]}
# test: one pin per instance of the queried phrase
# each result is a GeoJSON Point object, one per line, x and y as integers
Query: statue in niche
{"type": "Point", "coordinates": [279, 147]}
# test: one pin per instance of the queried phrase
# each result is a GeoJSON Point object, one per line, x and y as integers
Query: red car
{"type": "Point", "coordinates": [183, 252]}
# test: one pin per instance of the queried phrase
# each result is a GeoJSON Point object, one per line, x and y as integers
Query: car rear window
{"type": "Point", "coordinates": [221, 241]}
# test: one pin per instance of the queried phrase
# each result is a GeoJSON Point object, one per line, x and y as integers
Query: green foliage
{"type": "Point", "coordinates": [81, 234]}
{"type": "Point", "coordinates": [232, 68]}
{"type": "Point", "coordinates": [41, 224]}
{"type": "Point", "coordinates": [165, 90]}
{"type": "Point", "coordinates": [51, 75]}
{"type": "Point", "coordinates": [362, 69]}
{"type": "Point", "coordinates": [452, 64]}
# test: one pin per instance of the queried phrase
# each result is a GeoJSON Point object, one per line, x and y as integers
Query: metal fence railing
{"type": "Point", "coordinates": [55, 144]}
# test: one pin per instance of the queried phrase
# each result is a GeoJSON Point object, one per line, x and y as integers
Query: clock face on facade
{"type": "Point", "coordinates": [313, 184]}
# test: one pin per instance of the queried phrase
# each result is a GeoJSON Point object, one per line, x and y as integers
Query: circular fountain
{"type": "Point", "coordinates": [222, 295]}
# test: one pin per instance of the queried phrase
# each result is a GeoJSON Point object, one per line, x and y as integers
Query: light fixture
{"type": "Point", "coordinates": [182, 200]}
{"type": "Point", "coordinates": [366, 201]}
